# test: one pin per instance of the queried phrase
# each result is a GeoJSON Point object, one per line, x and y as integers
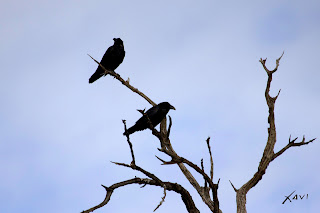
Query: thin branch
{"type": "Point", "coordinates": [162, 199]}
{"type": "Point", "coordinates": [202, 168]}
{"type": "Point", "coordinates": [166, 162]}
{"type": "Point", "coordinates": [169, 128]}
{"type": "Point", "coordinates": [130, 144]}
{"type": "Point", "coordinates": [163, 161]}
{"type": "Point", "coordinates": [291, 144]}
{"type": "Point", "coordinates": [143, 185]}
{"type": "Point", "coordinates": [110, 191]}
{"type": "Point", "coordinates": [263, 62]}
{"type": "Point", "coordinates": [138, 168]}
{"type": "Point", "coordinates": [211, 160]}
{"type": "Point", "coordinates": [234, 188]}
{"type": "Point", "coordinates": [148, 174]}
{"type": "Point", "coordinates": [126, 83]}
{"type": "Point", "coordinates": [270, 100]}
{"type": "Point", "coordinates": [278, 94]}
{"type": "Point", "coordinates": [178, 159]}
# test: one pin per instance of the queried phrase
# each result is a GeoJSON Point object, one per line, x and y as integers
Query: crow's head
{"type": "Point", "coordinates": [118, 41]}
{"type": "Point", "coordinates": [166, 105]}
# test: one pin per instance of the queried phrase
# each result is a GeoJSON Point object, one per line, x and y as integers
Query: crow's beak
{"type": "Point", "coordinates": [172, 107]}
{"type": "Point", "coordinates": [114, 39]}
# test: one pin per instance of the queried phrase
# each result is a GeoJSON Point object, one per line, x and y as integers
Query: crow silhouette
{"type": "Point", "coordinates": [156, 114]}
{"type": "Point", "coordinates": [111, 59]}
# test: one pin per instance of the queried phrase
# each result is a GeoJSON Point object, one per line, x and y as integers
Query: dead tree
{"type": "Point", "coordinates": [268, 154]}
{"type": "Point", "coordinates": [209, 191]}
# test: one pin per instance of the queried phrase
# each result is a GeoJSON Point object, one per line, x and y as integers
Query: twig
{"type": "Point", "coordinates": [234, 188]}
{"type": "Point", "coordinates": [163, 161]}
{"type": "Point", "coordinates": [178, 159]}
{"type": "Point", "coordinates": [128, 140]}
{"type": "Point", "coordinates": [263, 62]}
{"type": "Point", "coordinates": [162, 199]}
{"type": "Point", "coordinates": [138, 168]}
{"type": "Point", "coordinates": [202, 168]}
{"type": "Point", "coordinates": [110, 191]}
{"type": "Point", "coordinates": [169, 128]}
{"type": "Point", "coordinates": [211, 160]}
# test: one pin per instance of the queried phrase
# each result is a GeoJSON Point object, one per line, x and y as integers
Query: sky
{"type": "Point", "coordinates": [58, 134]}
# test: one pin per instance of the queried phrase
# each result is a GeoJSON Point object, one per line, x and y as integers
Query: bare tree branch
{"type": "Point", "coordinates": [126, 83]}
{"type": "Point", "coordinates": [110, 191]}
{"type": "Point", "coordinates": [169, 128]}
{"type": "Point", "coordinates": [234, 188]}
{"type": "Point", "coordinates": [130, 144]}
{"type": "Point", "coordinates": [291, 144]}
{"type": "Point", "coordinates": [202, 168]}
{"type": "Point", "coordinates": [211, 160]}
{"type": "Point", "coordinates": [138, 168]}
{"type": "Point", "coordinates": [179, 160]}
{"type": "Point", "coordinates": [135, 167]}
{"type": "Point", "coordinates": [186, 197]}
{"type": "Point", "coordinates": [162, 199]}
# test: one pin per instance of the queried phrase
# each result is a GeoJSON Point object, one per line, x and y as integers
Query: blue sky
{"type": "Point", "coordinates": [58, 134]}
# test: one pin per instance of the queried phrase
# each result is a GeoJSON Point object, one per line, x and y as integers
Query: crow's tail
{"type": "Point", "coordinates": [99, 72]}
{"type": "Point", "coordinates": [130, 130]}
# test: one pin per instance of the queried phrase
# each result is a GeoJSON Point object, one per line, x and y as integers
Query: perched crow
{"type": "Point", "coordinates": [156, 114]}
{"type": "Point", "coordinates": [111, 59]}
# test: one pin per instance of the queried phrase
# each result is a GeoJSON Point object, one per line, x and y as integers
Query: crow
{"type": "Point", "coordinates": [111, 59]}
{"type": "Point", "coordinates": [156, 114]}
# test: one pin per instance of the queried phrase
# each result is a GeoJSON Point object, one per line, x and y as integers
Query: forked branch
{"type": "Point", "coordinates": [292, 143]}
